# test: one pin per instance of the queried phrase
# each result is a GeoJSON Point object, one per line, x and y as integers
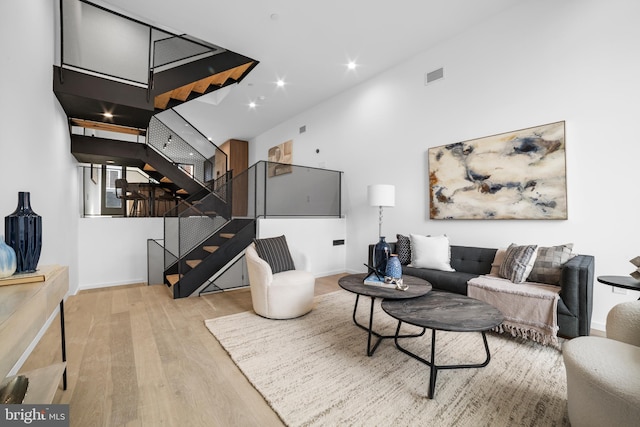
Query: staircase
{"type": "Point", "coordinates": [179, 69]}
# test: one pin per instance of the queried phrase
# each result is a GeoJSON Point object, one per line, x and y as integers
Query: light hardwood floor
{"type": "Point", "coordinates": [136, 357]}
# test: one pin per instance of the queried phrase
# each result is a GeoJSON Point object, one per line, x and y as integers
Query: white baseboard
{"type": "Point", "coordinates": [109, 285]}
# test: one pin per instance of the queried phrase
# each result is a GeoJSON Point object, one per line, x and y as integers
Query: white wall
{"type": "Point", "coordinates": [34, 143]}
{"type": "Point", "coordinates": [312, 237]}
{"type": "Point", "coordinates": [540, 62]}
{"type": "Point", "coordinates": [114, 250]}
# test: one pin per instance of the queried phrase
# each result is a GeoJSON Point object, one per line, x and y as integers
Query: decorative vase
{"type": "Point", "coordinates": [394, 269]}
{"type": "Point", "coordinates": [23, 232]}
{"type": "Point", "coordinates": [7, 259]}
{"type": "Point", "coordinates": [380, 255]}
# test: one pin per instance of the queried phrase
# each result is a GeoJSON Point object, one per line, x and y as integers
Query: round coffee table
{"type": "Point", "coordinates": [444, 311]}
{"type": "Point", "coordinates": [355, 283]}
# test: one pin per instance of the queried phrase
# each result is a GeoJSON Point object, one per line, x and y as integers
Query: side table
{"type": "Point", "coordinates": [625, 282]}
{"type": "Point", "coordinates": [354, 283]}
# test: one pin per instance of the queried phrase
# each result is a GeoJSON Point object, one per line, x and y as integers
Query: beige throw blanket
{"type": "Point", "coordinates": [530, 310]}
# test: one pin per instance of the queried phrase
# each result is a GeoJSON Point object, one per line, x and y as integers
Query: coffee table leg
{"type": "Point", "coordinates": [371, 332]}
{"type": "Point", "coordinates": [431, 363]}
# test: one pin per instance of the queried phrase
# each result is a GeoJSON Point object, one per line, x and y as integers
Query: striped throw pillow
{"type": "Point", "coordinates": [518, 262]}
{"type": "Point", "coordinates": [275, 251]}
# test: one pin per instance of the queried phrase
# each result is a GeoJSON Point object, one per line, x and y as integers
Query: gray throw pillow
{"type": "Point", "coordinates": [518, 262]}
{"type": "Point", "coordinates": [548, 266]}
{"type": "Point", "coordinates": [275, 251]}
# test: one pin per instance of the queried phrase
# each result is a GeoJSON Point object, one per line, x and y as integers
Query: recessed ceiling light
{"type": "Point", "coordinates": [107, 115]}
{"type": "Point", "coordinates": [352, 65]}
{"type": "Point", "coordinates": [252, 105]}
{"type": "Point", "coordinates": [111, 162]}
{"type": "Point", "coordinates": [280, 83]}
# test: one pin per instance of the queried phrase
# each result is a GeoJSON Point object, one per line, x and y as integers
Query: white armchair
{"type": "Point", "coordinates": [283, 295]}
{"type": "Point", "coordinates": [603, 374]}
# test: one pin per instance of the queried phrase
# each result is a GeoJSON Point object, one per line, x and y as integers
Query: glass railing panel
{"type": "Point", "coordinates": [172, 50]}
{"type": "Point", "coordinates": [292, 190]}
{"type": "Point", "coordinates": [85, 45]}
{"type": "Point", "coordinates": [99, 133]}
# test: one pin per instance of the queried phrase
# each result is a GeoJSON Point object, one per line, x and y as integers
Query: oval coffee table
{"type": "Point", "coordinates": [444, 311]}
{"type": "Point", "coordinates": [355, 283]}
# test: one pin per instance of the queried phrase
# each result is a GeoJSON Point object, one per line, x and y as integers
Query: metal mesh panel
{"type": "Point", "coordinates": [175, 148]}
{"type": "Point", "coordinates": [301, 191]}
{"type": "Point", "coordinates": [176, 48]}
{"type": "Point", "coordinates": [158, 259]}
{"type": "Point", "coordinates": [195, 229]}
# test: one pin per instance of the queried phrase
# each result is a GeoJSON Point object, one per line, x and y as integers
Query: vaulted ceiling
{"type": "Point", "coordinates": [306, 44]}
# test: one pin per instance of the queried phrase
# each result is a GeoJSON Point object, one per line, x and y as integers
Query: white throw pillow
{"type": "Point", "coordinates": [431, 252]}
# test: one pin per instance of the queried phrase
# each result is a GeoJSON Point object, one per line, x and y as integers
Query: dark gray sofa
{"type": "Point", "coordinates": [576, 293]}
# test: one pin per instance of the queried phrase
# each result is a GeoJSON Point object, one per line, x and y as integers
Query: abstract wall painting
{"type": "Point", "coordinates": [514, 175]}
{"type": "Point", "coordinates": [280, 158]}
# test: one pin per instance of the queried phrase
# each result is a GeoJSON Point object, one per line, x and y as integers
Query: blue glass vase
{"type": "Point", "coordinates": [23, 232]}
{"type": "Point", "coordinates": [394, 269]}
{"type": "Point", "coordinates": [381, 253]}
{"type": "Point", "coordinates": [7, 259]}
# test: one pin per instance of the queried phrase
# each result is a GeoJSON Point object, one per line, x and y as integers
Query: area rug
{"type": "Point", "coordinates": [314, 371]}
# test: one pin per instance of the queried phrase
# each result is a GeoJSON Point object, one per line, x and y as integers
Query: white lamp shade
{"type": "Point", "coordinates": [381, 195]}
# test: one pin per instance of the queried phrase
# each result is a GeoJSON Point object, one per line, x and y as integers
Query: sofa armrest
{"type": "Point", "coordinates": [576, 289]}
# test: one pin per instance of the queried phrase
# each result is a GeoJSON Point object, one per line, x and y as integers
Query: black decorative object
{"type": "Point", "coordinates": [381, 253]}
{"type": "Point", "coordinates": [23, 232]}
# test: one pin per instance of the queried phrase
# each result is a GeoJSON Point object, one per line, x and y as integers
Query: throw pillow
{"type": "Point", "coordinates": [275, 252]}
{"type": "Point", "coordinates": [518, 262]}
{"type": "Point", "coordinates": [403, 249]}
{"type": "Point", "coordinates": [548, 266]}
{"type": "Point", "coordinates": [431, 252]}
{"type": "Point", "coordinates": [497, 261]}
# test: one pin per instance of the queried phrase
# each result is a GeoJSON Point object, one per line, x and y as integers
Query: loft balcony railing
{"type": "Point", "coordinates": [266, 189]}
{"type": "Point", "coordinates": [140, 49]}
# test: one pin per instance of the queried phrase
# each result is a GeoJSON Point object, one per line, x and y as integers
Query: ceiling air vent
{"type": "Point", "coordinates": [433, 76]}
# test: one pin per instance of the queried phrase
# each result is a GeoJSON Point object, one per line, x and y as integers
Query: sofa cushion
{"type": "Point", "coordinates": [518, 262]}
{"type": "Point", "coordinates": [471, 259]}
{"type": "Point", "coordinates": [275, 251]}
{"type": "Point", "coordinates": [431, 252]}
{"type": "Point", "coordinates": [548, 265]}
{"type": "Point", "coordinates": [403, 249]}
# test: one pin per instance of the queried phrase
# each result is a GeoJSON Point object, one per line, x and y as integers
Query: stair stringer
{"type": "Point", "coordinates": [194, 278]}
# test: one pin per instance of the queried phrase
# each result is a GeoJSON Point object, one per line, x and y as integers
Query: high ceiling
{"type": "Point", "coordinates": [307, 44]}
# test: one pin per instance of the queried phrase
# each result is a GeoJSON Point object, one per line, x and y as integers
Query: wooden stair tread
{"type": "Point", "coordinates": [227, 235]}
{"type": "Point", "coordinates": [173, 278]}
{"type": "Point", "coordinates": [181, 191]}
{"type": "Point", "coordinates": [193, 263]}
{"type": "Point", "coordinates": [210, 249]}
{"type": "Point", "coordinates": [147, 167]}
{"type": "Point", "coordinates": [166, 180]}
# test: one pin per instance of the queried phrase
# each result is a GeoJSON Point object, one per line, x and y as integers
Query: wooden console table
{"type": "Point", "coordinates": [24, 310]}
